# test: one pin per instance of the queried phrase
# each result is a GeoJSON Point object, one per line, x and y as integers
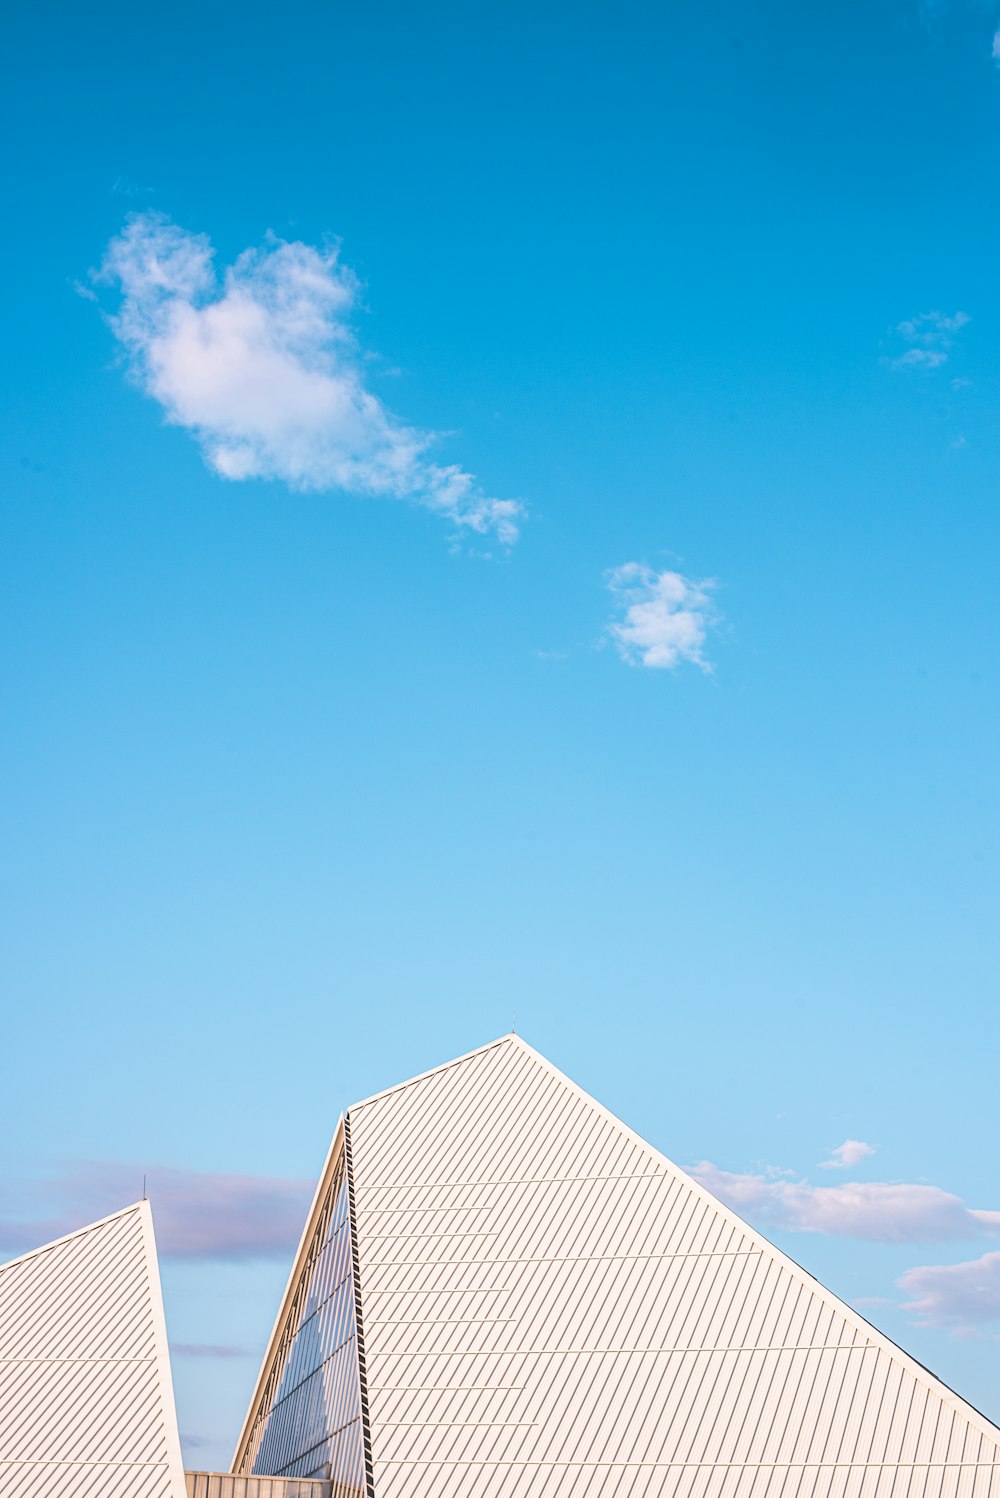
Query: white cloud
{"type": "Point", "coordinates": [956, 1295]}
{"type": "Point", "coordinates": [931, 325]}
{"type": "Point", "coordinates": [265, 371]}
{"type": "Point", "coordinates": [930, 336]}
{"type": "Point", "coordinates": [920, 358]}
{"type": "Point", "coordinates": [665, 617]}
{"type": "Point", "coordinates": [995, 54]}
{"type": "Point", "coordinates": [881, 1212]}
{"type": "Point", "coordinates": [847, 1154]}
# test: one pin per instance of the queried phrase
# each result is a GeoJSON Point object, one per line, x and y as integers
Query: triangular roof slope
{"type": "Point", "coordinates": [551, 1307]}
{"type": "Point", "coordinates": [86, 1404]}
{"type": "Point", "coordinates": [305, 1418]}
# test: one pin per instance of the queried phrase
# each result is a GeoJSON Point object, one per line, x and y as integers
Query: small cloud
{"type": "Point", "coordinates": [551, 655]}
{"type": "Point", "coordinates": [665, 617]}
{"type": "Point", "coordinates": [959, 1296]}
{"type": "Point", "coordinates": [847, 1155]}
{"type": "Point", "coordinates": [264, 370]}
{"type": "Point", "coordinates": [995, 50]}
{"type": "Point", "coordinates": [879, 1212]}
{"type": "Point", "coordinates": [930, 326]}
{"type": "Point", "coordinates": [920, 358]}
{"type": "Point", "coordinates": [124, 187]}
{"type": "Point", "coordinates": [958, 443]}
{"type": "Point", "coordinates": [930, 337]}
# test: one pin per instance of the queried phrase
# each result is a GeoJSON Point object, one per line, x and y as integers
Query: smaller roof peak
{"type": "Point", "coordinates": [141, 1206]}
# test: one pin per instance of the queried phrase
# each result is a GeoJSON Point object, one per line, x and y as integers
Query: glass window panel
{"type": "Point", "coordinates": [310, 1425]}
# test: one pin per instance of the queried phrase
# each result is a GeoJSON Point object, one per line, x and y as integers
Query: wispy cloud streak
{"type": "Point", "coordinates": [265, 371]}
{"type": "Point", "coordinates": [208, 1350]}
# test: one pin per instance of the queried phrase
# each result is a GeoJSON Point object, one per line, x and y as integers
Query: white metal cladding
{"type": "Point", "coordinates": [551, 1307]}
{"type": "Point", "coordinates": [86, 1405]}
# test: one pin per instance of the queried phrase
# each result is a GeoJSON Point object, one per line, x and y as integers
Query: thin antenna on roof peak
{"type": "Point", "coordinates": [144, 1185]}
{"type": "Point", "coordinates": [513, 1024]}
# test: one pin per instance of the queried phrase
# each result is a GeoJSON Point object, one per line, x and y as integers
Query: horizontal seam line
{"type": "Point", "coordinates": [150, 1358]}
{"type": "Point", "coordinates": [721, 1253]}
{"type": "Point", "coordinates": [733, 1466]}
{"type": "Point", "coordinates": [443, 1424]}
{"type": "Point", "coordinates": [642, 1175]}
{"type": "Point", "coordinates": [563, 1352]}
{"type": "Point", "coordinates": [43, 1461]}
{"type": "Point", "coordinates": [449, 1321]}
{"type": "Point", "coordinates": [444, 1233]}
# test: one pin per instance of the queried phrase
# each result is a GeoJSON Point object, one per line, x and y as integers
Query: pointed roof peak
{"type": "Point", "coordinates": [142, 1207]}
{"type": "Point", "coordinates": [924, 1377]}
{"type": "Point", "coordinates": [88, 1402]}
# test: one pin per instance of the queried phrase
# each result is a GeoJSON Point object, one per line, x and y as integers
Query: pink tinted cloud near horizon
{"type": "Point", "coordinates": [958, 1296]}
{"type": "Point", "coordinates": [877, 1211]}
{"type": "Point", "coordinates": [197, 1214]}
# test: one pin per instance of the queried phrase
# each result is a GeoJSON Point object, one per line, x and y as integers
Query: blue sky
{"type": "Point", "coordinates": [307, 788]}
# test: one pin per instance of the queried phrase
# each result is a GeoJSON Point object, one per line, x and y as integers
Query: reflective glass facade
{"type": "Point", "coordinates": [309, 1424]}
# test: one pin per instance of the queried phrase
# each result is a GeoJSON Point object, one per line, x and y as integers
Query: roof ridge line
{"type": "Point", "coordinates": [433, 1070]}
{"type": "Point", "coordinates": [923, 1374]}
{"type": "Point", "coordinates": [174, 1459]}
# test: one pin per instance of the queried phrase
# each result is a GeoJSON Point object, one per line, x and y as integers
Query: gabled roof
{"type": "Point", "coordinates": [547, 1305]}
{"type": "Point", "coordinates": [86, 1404]}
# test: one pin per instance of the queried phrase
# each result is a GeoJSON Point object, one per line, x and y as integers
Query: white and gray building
{"type": "Point", "coordinates": [501, 1291]}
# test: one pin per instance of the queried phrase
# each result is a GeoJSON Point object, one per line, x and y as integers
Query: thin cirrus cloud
{"type": "Point", "coordinates": [198, 1214]}
{"type": "Point", "coordinates": [663, 618]}
{"type": "Point", "coordinates": [208, 1350]}
{"type": "Point", "coordinates": [928, 339]}
{"type": "Point", "coordinates": [878, 1211]}
{"type": "Point", "coordinates": [264, 370]}
{"type": "Point", "coordinates": [958, 1296]}
{"type": "Point", "coordinates": [847, 1155]}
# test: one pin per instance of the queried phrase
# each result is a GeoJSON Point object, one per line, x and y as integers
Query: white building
{"type": "Point", "coordinates": [86, 1404]}
{"type": "Point", "coordinates": [501, 1291]}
